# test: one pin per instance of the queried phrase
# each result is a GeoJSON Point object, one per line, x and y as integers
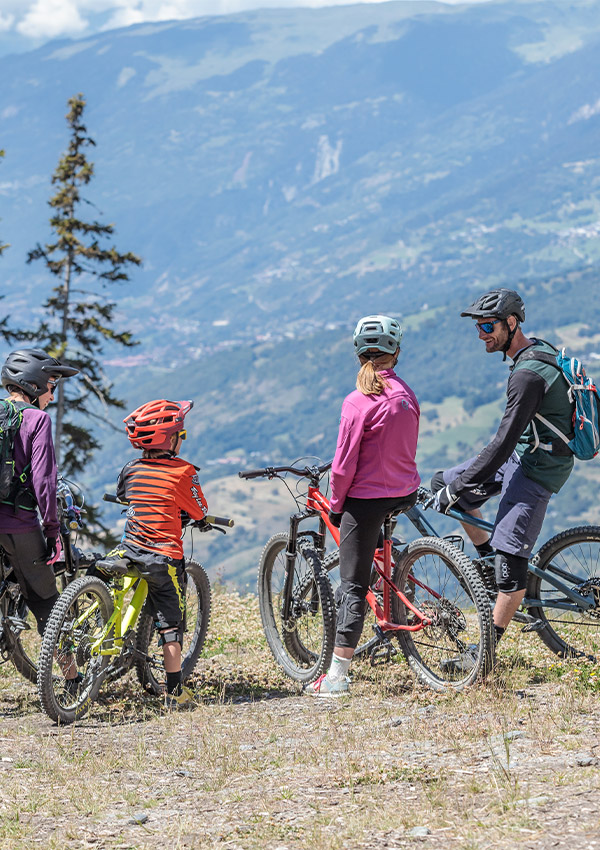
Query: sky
{"type": "Point", "coordinates": [36, 21]}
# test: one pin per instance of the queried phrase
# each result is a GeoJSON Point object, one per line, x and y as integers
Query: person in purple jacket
{"type": "Point", "coordinates": [30, 377]}
{"type": "Point", "coordinates": [373, 474]}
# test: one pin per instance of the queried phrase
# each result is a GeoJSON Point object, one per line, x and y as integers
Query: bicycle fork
{"type": "Point", "coordinates": [291, 554]}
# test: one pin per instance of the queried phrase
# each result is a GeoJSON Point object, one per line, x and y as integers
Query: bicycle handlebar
{"type": "Point", "coordinates": [109, 497]}
{"type": "Point", "coordinates": [425, 496]}
{"type": "Point", "coordinates": [211, 520]}
{"type": "Point", "coordinates": [273, 471]}
{"type": "Point", "coordinates": [219, 520]}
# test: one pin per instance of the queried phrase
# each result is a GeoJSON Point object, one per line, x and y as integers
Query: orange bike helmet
{"type": "Point", "coordinates": [153, 424]}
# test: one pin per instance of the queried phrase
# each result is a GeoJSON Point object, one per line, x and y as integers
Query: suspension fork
{"type": "Point", "coordinates": [388, 526]}
{"type": "Point", "coordinates": [291, 554]}
{"type": "Point", "coordinates": [290, 563]}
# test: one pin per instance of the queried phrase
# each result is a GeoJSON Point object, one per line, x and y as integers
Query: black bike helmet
{"type": "Point", "coordinates": [30, 369]}
{"type": "Point", "coordinates": [499, 303]}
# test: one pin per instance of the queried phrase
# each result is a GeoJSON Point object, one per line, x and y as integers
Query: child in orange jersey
{"type": "Point", "coordinates": [159, 486]}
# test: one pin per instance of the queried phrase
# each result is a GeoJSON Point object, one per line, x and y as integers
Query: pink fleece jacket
{"type": "Point", "coordinates": [377, 442]}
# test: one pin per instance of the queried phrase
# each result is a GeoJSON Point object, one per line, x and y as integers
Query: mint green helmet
{"type": "Point", "coordinates": [379, 332]}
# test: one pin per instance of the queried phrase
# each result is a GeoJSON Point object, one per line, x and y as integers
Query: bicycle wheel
{"type": "Point", "coordinates": [151, 674]}
{"type": "Point", "coordinates": [76, 621]}
{"type": "Point", "coordinates": [458, 647]}
{"type": "Point", "coordinates": [573, 556]}
{"type": "Point", "coordinates": [303, 645]}
{"type": "Point", "coordinates": [25, 643]}
{"type": "Point", "coordinates": [368, 639]}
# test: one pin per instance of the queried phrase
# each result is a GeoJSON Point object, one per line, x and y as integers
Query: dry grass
{"type": "Point", "coordinates": [257, 765]}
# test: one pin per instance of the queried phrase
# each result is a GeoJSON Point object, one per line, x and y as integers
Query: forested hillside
{"type": "Point", "coordinates": [283, 172]}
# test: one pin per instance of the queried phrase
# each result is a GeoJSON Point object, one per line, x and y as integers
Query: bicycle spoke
{"type": "Point", "coordinates": [457, 647]}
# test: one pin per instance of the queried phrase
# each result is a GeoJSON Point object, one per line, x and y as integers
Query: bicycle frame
{"type": "Point", "coordinates": [318, 505]}
{"type": "Point", "coordinates": [551, 575]}
{"type": "Point", "coordinates": [120, 623]}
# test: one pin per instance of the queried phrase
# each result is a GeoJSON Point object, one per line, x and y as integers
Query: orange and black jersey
{"type": "Point", "coordinates": [157, 490]}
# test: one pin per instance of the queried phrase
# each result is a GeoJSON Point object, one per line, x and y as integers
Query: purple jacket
{"type": "Point", "coordinates": [377, 442]}
{"type": "Point", "coordinates": [33, 444]}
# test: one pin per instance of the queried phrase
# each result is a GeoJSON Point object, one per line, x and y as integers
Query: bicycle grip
{"type": "Point", "coordinates": [220, 520]}
{"type": "Point", "coordinates": [253, 473]}
{"type": "Point", "coordinates": [110, 497]}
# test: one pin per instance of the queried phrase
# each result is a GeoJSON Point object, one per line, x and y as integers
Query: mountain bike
{"type": "Point", "coordinates": [19, 638]}
{"type": "Point", "coordinates": [97, 624]}
{"type": "Point", "coordinates": [428, 597]}
{"type": "Point", "coordinates": [562, 598]}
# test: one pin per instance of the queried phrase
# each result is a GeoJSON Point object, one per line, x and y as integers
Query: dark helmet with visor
{"type": "Point", "coordinates": [30, 369]}
{"type": "Point", "coordinates": [499, 303]}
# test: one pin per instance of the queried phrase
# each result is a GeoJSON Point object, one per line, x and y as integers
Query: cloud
{"type": "Point", "coordinates": [50, 18]}
{"type": "Point", "coordinates": [6, 22]}
{"type": "Point", "coordinates": [45, 19]}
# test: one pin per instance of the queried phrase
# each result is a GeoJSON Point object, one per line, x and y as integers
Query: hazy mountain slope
{"type": "Point", "coordinates": [275, 164]}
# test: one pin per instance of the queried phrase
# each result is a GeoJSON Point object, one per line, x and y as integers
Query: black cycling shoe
{"type": "Point", "coordinates": [73, 686]}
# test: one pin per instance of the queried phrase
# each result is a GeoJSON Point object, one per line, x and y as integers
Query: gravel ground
{"type": "Point", "coordinates": [512, 762]}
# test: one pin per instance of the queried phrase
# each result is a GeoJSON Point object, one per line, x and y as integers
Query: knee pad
{"type": "Point", "coordinates": [173, 635]}
{"type": "Point", "coordinates": [351, 608]}
{"type": "Point", "coordinates": [511, 572]}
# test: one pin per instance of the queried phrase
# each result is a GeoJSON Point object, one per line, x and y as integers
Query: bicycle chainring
{"type": "Point", "coordinates": [83, 652]}
{"type": "Point", "coordinates": [592, 585]}
{"type": "Point", "coordinates": [445, 616]}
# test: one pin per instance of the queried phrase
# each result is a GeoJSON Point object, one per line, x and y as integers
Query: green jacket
{"type": "Point", "coordinates": [550, 469]}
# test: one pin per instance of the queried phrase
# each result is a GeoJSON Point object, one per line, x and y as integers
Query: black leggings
{"type": "Point", "coordinates": [359, 532]}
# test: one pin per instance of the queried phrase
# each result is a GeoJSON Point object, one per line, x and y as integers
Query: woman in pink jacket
{"type": "Point", "coordinates": [373, 473]}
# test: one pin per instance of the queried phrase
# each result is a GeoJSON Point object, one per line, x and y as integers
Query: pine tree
{"type": "Point", "coordinates": [79, 314]}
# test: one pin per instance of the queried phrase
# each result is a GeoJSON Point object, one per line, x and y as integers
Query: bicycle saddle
{"type": "Point", "coordinates": [116, 566]}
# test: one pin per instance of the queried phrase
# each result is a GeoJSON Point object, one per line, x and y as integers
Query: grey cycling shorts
{"type": "Point", "coordinates": [522, 507]}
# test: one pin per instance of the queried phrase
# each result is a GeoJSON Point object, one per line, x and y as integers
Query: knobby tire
{"type": "Point", "coordinates": [304, 645]}
{"type": "Point", "coordinates": [569, 634]}
{"type": "Point", "coordinates": [25, 647]}
{"type": "Point", "coordinates": [88, 601]}
{"type": "Point", "coordinates": [151, 675]}
{"type": "Point", "coordinates": [462, 617]}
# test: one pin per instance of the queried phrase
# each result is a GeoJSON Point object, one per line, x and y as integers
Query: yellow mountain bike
{"type": "Point", "coordinates": [100, 626]}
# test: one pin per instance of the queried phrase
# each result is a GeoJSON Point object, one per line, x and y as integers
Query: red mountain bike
{"type": "Point", "coordinates": [428, 596]}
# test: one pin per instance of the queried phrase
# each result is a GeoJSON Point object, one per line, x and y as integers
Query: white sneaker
{"type": "Point", "coordinates": [324, 687]}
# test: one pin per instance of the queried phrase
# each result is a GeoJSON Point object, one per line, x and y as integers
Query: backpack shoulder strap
{"type": "Point", "coordinates": [533, 353]}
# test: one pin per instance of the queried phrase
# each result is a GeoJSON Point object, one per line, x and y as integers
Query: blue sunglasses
{"type": "Point", "coordinates": [486, 327]}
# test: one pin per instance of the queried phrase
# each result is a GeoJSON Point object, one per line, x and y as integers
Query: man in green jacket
{"type": "Point", "coordinates": [525, 462]}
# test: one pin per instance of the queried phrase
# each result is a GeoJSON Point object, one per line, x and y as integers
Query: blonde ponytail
{"type": "Point", "coordinates": [369, 381]}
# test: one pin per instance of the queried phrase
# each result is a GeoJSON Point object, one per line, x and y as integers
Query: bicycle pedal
{"type": "Point", "coordinates": [17, 624]}
{"type": "Point", "coordinates": [536, 625]}
{"type": "Point", "coordinates": [382, 654]}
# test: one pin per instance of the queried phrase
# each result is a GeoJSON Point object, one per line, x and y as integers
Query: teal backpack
{"type": "Point", "coordinates": [582, 392]}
